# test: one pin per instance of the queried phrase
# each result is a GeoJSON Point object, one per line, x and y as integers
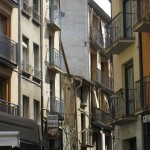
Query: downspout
{"type": "Point", "coordinates": [141, 80]}
{"type": "Point", "coordinates": [90, 114]}
{"type": "Point", "coordinates": [41, 61]}
{"type": "Point", "coordinates": [141, 70]}
{"type": "Point", "coordinates": [75, 95]}
{"type": "Point", "coordinates": [19, 59]}
{"type": "Point", "coordinates": [141, 66]}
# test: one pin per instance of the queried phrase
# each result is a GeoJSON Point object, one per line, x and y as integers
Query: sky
{"type": "Point", "coordinates": [105, 5]}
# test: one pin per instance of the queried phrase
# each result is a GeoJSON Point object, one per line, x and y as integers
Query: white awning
{"type": "Point", "coordinates": [9, 138]}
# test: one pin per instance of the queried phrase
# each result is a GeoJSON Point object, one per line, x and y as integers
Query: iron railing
{"type": "Point", "coordinates": [101, 116]}
{"type": "Point", "coordinates": [26, 7]}
{"type": "Point", "coordinates": [103, 79]}
{"type": "Point", "coordinates": [56, 17]}
{"type": "Point", "coordinates": [27, 67]}
{"type": "Point", "coordinates": [9, 108]}
{"type": "Point", "coordinates": [36, 73]}
{"type": "Point", "coordinates": [119, 27]}
{"type": "Point", "coordinates": [36, 16]}
{"type": "Point", "coordinates": [122, 103]}
{"type": "Point", "coordinates": [142, 93]}
{"type": "Point", "coordinates": [96, 36]}
{"type": "Point", "coordinates": [141, 11]}
{"type": "Point", "coordinates": [55, 58]}
{"type": "Point", "coordinates": [56, 105]}
{"type": "Point", "coordinates": [8, 49]}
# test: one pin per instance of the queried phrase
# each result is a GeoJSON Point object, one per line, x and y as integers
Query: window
{"type": "Point", "coordinates": [127, 18]}
{"type": "Point", "coordinates": [25, 106]}
{"type": "Point", "coordinates": [84, 95]}
{"type": "Point", "coordinates": [36, 109]}
{"type": "Point", "coordinates": [35, 5]}
{"type": "Point", "coordinates": [4, 94]}
{"type": "Point", "coordinates": [25, 48]}
{"type": "Point", "coordinates": [4, 86]}
{"type": "Point", "coordinates": [82, 128]}
{"type": "Point", "coordinates": [4, 25]}
{"type": "Point", "coordinates": [36, 56]}
{"type": "Point", "coordinates": [129, 84]}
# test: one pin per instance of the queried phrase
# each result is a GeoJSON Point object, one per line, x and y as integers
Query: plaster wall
{"type": "Point", "coordinates": [75, 36]}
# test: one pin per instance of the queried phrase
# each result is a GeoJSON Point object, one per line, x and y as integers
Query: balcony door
{"type": "Point", "coordinates": [4, 94]}
{"type": "Point", "coordinates": [3, 24]}
{"type": "Point", "coordinates": [129, 86]}
{"type": "Point", "coordinates": [127, 18]}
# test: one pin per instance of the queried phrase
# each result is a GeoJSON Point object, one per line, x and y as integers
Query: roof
{"type": "Point", "coordinates": [99, 11]}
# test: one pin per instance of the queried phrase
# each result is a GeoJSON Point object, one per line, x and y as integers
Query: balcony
{"type": "Point", "coordinates": [36, 17]}
{"type": "Point", "coordinates": [54, 21]}
{"type": "Point", "coordinates": [55, 60]}
{"type": "Point", "coordinates": [26, 9]}
{"type": "Point", "coordinates": [142, 95]}
{"type": "Point", "coordinates": [8, 52]}
{"type": "Point", "coordinates": [27, 68]}
{"type": "Point", "coordinates": [122, 107]}
{"type": "Point", "coordinates": [141, 18]}
{"type": "Point", "coordinates": [12, 3]}
{"type": "Point", "coordinates": [9, 108]}
{"type": "Point", "coordinates": [57, 106]}
{"type": "Point", "coordinates": [120, 35]}
{"type": "Point", "coordinates": [36, 73]}
{"type": "Point", "coordinates": [96, 39]}
{"type": "Point", "coordinates": [102, 80]}
{"type": "Point", "coordinates": [100, 118]}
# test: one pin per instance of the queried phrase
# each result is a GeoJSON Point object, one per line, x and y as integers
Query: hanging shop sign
{"type": "Point", "coordinates": [146, 118]}
{"type": "Point", "coordinates": [52, 126]}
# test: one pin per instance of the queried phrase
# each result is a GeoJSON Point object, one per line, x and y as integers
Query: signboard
{"type": "Point", "coordinates": [52, 126]}
{"type": "Point", "coordinates": [146, 118]}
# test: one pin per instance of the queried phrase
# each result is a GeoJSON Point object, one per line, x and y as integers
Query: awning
{"type": "Point", "coordinates": [9, 138]}
{"type": "Point", "coordinates": [28, 129]}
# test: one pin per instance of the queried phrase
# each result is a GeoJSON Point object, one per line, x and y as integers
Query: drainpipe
{"type": "Point", "coordinates": [19, 59]}
{"type": "Point", "coordinates": [41, 61]}
{"type": "Point", "coordinates": [141, 66]}
{"type": "Point", "coordinates": [141, 80]}
{"type": "Point", "coordinates": [75, 95]}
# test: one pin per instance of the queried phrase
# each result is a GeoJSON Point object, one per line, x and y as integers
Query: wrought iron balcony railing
{"type": "Point", "coordinates": [9, 108]}
{"type": "Point", "coordinates": [122, 103]}
{"type": "Point", "coordinates": [96, 38]}
{"type": "Point", "coordinates": [55, 18]}
{"type": "Point", "coordinates": [36, 16]}
{"type": "Point", "coordinates": [26, 8]}
{"type": "Point", "coordinates": [8, 49]}
{"type": "Point", "coordinates": [101, 116]}
{"type": "Point", "coordinates": [120, 27]}
{"type": "Point", "coordinates": [27, 68]}
{"type": "Point", "coordinates": [36, 73]}
{"type": "Point", "coordinates": [56, 105]}
{"type": "Point", "coordinates": [55, 58]}
{"type": "Point", "coordinates": [12, 3]}
{"type": "Point", "coordinates": [100, 77]}
{"type": "Point", "coordinates": [141, 14]}
{"type": "Point", "coordinates": [142, 95]}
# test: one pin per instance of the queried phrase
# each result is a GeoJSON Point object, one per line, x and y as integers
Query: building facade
{"type": "Point", "coordinates": [20, 74]}
{"type": "Point", "coordinates": [91, 74]}
{"type": "Point", "coordinates": [124, 44]}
